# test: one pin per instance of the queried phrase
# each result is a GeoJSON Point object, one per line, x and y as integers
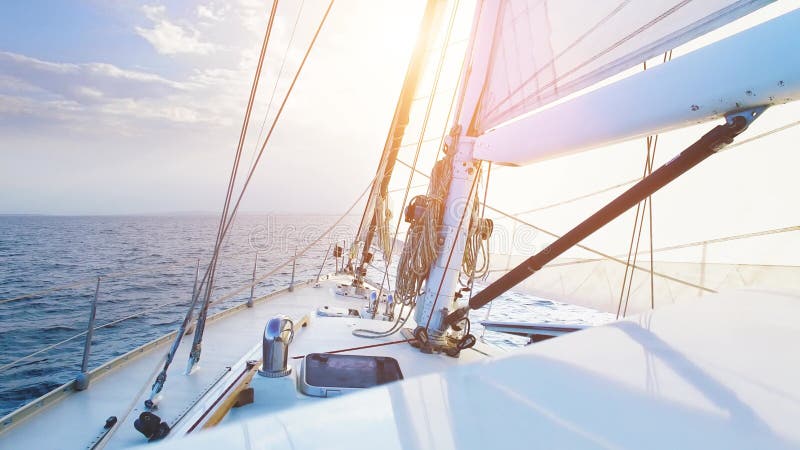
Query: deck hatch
{"type": "Point", "coordinates": [325, 374]}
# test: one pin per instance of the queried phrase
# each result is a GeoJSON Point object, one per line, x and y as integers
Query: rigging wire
{"type": "Point", "coordinates": [667, 57]}
{"type": "Point", "coordinates": [429, 107]}
{"type": "Point", "coordinates": [645, 206]}
{"type": "Point", "coordinates": [688, 245]}
{"type": "Point", "coordinates": [762, 135]}
{"type": "Point", "coordinates": [277, 80]}
{"type": "Point", "coordinates": [377, 215]}
{"type": "Point", "coordinates": [580, 197]}
{"type": "Point", "coordinates": [224, 218]}
{"type": "Point", "coordinates": [730, 238]}
{"type": "Point", "coordinates": [648, 201]}
{"type": "Point", "coordinates": [428, 110]}
{"type": "Point", "coordinates": [114, 428]}
{"type": "Point", "coordinates": [207, 276]}
{"type": "Point", "coordinates": [274, 123]}
{"type": "Point", "coordinates": [417, 186]}
{"type": "Point", "coordinates": [420, 247]}
{"type": "Point", "coordinates": [638, 224]}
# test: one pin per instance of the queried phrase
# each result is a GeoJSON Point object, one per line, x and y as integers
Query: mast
{"type": "Point", "coordinates": [441, 284]}
{"type": "Point", "coordinates": [367, 229]}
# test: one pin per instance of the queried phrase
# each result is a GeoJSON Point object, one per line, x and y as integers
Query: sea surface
{"type": "Point", "coordinates": [49, 269]}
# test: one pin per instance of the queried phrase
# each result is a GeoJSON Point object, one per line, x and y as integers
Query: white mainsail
{"type": "Point", "coordinates": [736, 231]}
{"type": "Point", "coordinates": [545, 50]}
{"type": "Point", "coordinates": [725, 225]}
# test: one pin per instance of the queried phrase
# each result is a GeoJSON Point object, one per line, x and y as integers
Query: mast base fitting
{"type": "Point", "coordinates": [451, 348]}
{"type": "Point", "coordinates": [456, 316]}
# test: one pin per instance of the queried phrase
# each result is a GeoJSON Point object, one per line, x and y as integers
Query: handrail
{"type": "Point", "coordinates": [92, 328]}
{"type": "Point", "coordinates": [88, 281]}
{"type": "Point", "coordinates": [82, 382]}
{"type": "Point", "coordinates": [83, 333]}
{"type": "Point", "coordinates": [294, 266]}
{"type": "Point", "coordinates": [324, 260]}
{"type": "Point", "coordinates": [106, 276]}
{"type": "Point", "coordinates": [55, 395]}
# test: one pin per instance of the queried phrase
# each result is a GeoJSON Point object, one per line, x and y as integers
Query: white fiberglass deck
{"type": "Point", "coordinates": [718, 372]}
{"type": "Point", "coordinates": [77, 419]}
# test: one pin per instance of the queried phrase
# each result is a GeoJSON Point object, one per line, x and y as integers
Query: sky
{"type": "Point", "coordinates": [130, 107]}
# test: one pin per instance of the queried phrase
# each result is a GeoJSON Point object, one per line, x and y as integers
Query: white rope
{"type": "Point", "coordinates": [420, 248]}
{"type": "Point", "coordinates": [383, 216]}
{"type": "Point", "coordinates": [476, 249]}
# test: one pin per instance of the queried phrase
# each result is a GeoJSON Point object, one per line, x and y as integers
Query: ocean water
{"type": "Point", "coordinates": [147, 267]}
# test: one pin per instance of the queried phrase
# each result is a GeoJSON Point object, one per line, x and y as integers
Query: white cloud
{"type": "Point", "coordinates": [211, 12]}
{"type": "Point", "coordinates": [70, 80]}
{"type": "Point", "coordinates": [89, 92]}
{"type": "Point", "coordinates": [11, 105]}
{"type": "Point", "coordinates": [204, 12]}
{"type": "Point", "coordinates": [99, 94]}
{"type": "Point", "coordinates": [16, 105]}
{"type": "Point", "coordinates": [145, 109]}
{"type": "Point", "coordinates": [148, 116]}
{"type": "Point", "coordinates": [16, 85]}
{"type": "Point", "coordinates": [170, 38]}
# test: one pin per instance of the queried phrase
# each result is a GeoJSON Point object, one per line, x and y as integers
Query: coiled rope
{"type": "Point", "coordinates": [420, 249]}
{"type": "Point", "coordinates": [476, 249]}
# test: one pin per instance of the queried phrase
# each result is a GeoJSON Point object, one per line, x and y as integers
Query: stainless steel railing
{"type": "Point", "coordinates": [82, 379]}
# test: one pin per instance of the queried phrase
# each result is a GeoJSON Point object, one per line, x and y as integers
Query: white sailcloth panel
{"type": "Point", "coordinates": [597, 284]}
{"type": "Point", "coordinates": [544, 50]}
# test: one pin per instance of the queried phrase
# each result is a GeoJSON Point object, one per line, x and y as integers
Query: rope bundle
{"type": "Point", "coordinates": [477, 246]}
{"type": "Point", "coordinates": [420, 249]}
{"type": "Point", "coordinates": [383, 216]}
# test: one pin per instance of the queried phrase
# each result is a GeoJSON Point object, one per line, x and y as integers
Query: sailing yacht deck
{"type": "Point", "coordinates": [705, 373]}
{"type": "Point", "coordinates": [231, 339]}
